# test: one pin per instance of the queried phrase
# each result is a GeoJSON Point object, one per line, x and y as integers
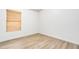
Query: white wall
{"type": "Point", "coordinates": [38, 22]}
{"type": "Point", "coordinates": [29, 25]}
{"type": "Point", "coordinates": [63, 24]}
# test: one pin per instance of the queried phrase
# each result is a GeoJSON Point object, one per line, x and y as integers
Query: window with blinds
{"type": "Point", "coordinates": [13, 22]}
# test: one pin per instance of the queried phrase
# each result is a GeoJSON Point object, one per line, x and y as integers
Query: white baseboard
{"type": "Point", "coordinates": [60, 38]}
{"type": "Point", "coordinates": [19, 36]}
{"type": "Point", "coordinates": [43, 34]}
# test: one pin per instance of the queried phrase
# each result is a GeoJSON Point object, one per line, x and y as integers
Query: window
{"type": "Point", "coordinates": [13, 21]}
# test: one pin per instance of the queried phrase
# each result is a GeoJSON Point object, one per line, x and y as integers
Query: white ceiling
{"type": "Point", "coordinates": [16, 9]}
{"type": "Point", "coordinates": [38, 10]}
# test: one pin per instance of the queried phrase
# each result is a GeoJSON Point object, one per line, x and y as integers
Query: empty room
{"type": "Point", "coordinates": [39, 28]}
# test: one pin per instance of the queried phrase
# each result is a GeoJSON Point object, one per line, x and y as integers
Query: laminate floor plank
{"type": "Point", "coordinates": [37, 41]}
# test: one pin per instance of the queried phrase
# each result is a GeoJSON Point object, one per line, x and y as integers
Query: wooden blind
{"type": "Point", "coordinates": [13, 22]}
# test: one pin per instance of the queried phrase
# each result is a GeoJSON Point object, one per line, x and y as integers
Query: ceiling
{"type": "Point", "coordinates": [38, 10]}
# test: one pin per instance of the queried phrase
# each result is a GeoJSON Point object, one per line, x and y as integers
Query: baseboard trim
{"type": "Point", "coordinates": [44, 34]}
{"type": "Point", "coordinates": [20, 37]}
{"type": "Point", "coordinates": [60, 38]}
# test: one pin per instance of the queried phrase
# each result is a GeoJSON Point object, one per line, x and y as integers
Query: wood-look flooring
{"type": "Point", "coordinates": [37, 41]}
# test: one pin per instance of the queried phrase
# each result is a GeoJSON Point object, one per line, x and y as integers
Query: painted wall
{"type": "Point", "coordinates": [38, 22]}
{"type": "Point", "coordinates": [63, 24]}
{"type": "Point", "coordinates": [29, 25]}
